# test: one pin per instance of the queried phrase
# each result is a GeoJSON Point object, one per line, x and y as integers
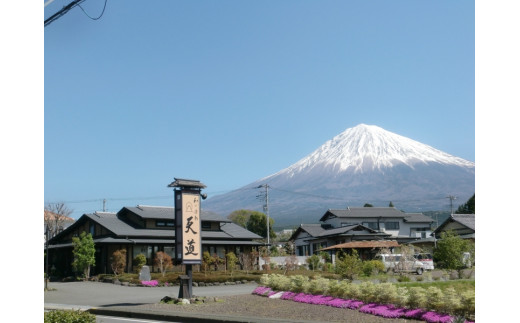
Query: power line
{"type": "Point", "coordinates": [67, 8]}
{"type": "Point", "coordinates": [62, 12]}
{"type": "Point", "coordinates": [102, 12]}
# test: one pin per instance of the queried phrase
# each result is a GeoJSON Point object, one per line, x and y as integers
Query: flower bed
{"type": "Point", "coordinates": [383, 310]}
{"type": "Point", "coordinates": [150, 283]}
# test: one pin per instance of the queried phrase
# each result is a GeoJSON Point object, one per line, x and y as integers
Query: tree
{"type": "Point", "coordinates": [118, 263]}
{"type": "Point", "coordinates": [349, 266]}
{"type": "Point", "coordinates": [468, 207]}
{"type": "Point", "coordinates": [231, 261]}
{"type": "Point", "coordinates": [450, 250]}
{"type": "Point", "coordinates": [240, 217]}
{"type": "Point", "coordinates": [257, 223]}
{"type": "Point", "coordinates": [313, 261]}
{"type": "Point", "coordinates": [391, 204]}
{"type": "Point", "coordinates": [54, 216]}
{"type": "Point", "coordinates": [163, 261]}
{"type": "Point", "coordinates": [139, 261]}
{"type": "Point", "coordinates": [84, 253]}
{"type": "Point", "coordinates": [207, 261]}
{"type": "Point", "coordinates": [368, 205]}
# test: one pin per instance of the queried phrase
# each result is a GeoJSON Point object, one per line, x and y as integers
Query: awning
{"type": "Point", "coordinates": [364, 244]}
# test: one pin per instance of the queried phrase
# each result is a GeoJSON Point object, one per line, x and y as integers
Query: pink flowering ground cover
{"type": "Point", "coordinates": [151, 283]}
{"type": "Point", "coordinates": [383, 310]}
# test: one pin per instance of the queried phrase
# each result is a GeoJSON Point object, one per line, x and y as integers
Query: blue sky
{"type": "Point", "coordinates": [228, 92]}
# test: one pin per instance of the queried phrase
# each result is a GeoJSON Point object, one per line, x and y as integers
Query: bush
{"type": "Point", "coordinates": [417, 297]}
{"type": "Point", "coordinates": [403, 279]}
{"type": "Point", "coordinates": [373, 267]}
{"type": "Point", "coordinates": [468, 303]}
{"type": "Point", "coordinates": [61, 316]}
{"type": "Point", "coordinates": [299, 283]}
{"type": "Point", "coordinates": [118, 261]}
{"type": "Point", "coordinates": [139, 261]}
{"type": "Point", "coordinates": [402, 296]}
{"type": "Point", "coordinates": [349, 266]}
{"type": "Point", "coordinates": [435, 299]}
{"type": "Point", "coordinates": [352, 291]}
{"type": "Point", "coordinates": [319, 286]}
{"type": "Point", "coordinates": [386, 293]}
{"type": "Point", "coordinates": [368, 292]}
{"type": "Point", "coordinates": [313, 261]}
{"type": "Point", "coordinates": [451, 300]}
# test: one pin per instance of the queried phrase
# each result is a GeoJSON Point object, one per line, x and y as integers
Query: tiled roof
{"type": "Point", "coordinates": [152, 212]}
{"type": "Point", "coordinates": [120, 228]}
{"type": "Point", "coordinates": [364, 244]}
{"type": "Point", "coordinates": [465, 219]}
{"type": "Point", "coordinates": [375, 212]}
{"type": "Point", "coordinates": [168, 212]}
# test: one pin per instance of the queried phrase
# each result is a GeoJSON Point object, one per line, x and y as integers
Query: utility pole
{"type": "Point", "coordinates": [266, 209]}
{"type": "Point", "coordinates": [104, 202]}
{"type": "Point", "coordinates": [451, 197]}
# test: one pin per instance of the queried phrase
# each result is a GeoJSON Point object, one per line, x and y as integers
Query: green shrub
{"type": "Point", "coordinates": [279, 282]}
{"type": "Point", "coordinates": [139, 261]}
{"type": "Point", "coordinates": [417, 297]}
{"type": "Point", "coordinates": [299, 283]}
{"type": "Point", "coordinates": [435, 298]}
{"type": "Point", "coordinates": [319, 286]}
{"type": "Point", "coordinates": [386, 293]}
{"type": "Point", "coordinates": [403, 279]}
{"type": "Point", "coordinates": [373, 267]}
{"type": "Point", "coordinates": [349, 266]}
{"type": "Point", "coordinates": [402, 296]}
{"type": "Point", "coordinates": [368, 292]}
{"type": "Point", "coordinates": [313, 261]}
{"type": "Point", "coordinates": [451, 300]}
{"type": "Point", "coordinates": [352, 291]}
{"type": "Point", "coordinates": [61, 316]}
{"type": "Point", "coordinates": [468, 303]}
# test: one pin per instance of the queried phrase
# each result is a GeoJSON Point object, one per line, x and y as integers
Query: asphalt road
{"type": "Point", "coordinates": [83, 295]}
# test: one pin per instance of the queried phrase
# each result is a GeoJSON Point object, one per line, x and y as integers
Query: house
{"type": "Point", "coordinates": [461, 224]}
{"type": "Point", "coordinates": [360, 223]}
{"type": "Point", "coordinates": [144, 230]}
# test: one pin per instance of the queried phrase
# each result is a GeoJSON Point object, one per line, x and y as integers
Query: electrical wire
{"type": "Point", "coordinates": [102, 12]}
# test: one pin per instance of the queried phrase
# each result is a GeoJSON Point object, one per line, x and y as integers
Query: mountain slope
{"type": "Point", "coordinates": [362, 164]}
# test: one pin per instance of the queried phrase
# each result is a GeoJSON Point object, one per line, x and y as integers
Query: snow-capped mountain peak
{"type": "Point", "coordinates": [368, 147]}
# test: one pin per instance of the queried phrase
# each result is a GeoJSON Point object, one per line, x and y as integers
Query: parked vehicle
{"type": "Point", "coordinates": [398, 263]}
{"type": "Point", "coordinates": [426, 259]}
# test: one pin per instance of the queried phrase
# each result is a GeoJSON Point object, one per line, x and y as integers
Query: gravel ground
{"type": "Point", "coordinates": [263, 307]}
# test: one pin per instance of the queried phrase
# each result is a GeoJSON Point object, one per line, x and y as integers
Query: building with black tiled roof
{"type": "Point", "coordinates": [339, 226]}
{"type": "Point", "coordinates": [144, 230]}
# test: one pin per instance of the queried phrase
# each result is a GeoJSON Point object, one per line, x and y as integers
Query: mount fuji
{"type": "Point", "coordinates": [363, 164]}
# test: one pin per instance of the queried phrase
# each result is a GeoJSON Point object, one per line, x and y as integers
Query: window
{"type": "Point", "coordinates": [371, 225]}
{"type": "Point", "coordinates": [164, 223]}
{"type": "Point", "coordinates": [206, 225]}
{"type": "Point", "coordinates": [92, 229]}
{"type": "Point", "coordinates": [392, 225]}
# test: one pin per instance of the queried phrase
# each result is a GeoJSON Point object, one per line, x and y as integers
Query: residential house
{"type": "Point", "coordinates": [144, 230]}
{"type": "Point", "coordinates": [360, 223]}
{"type": "Point", "coordinates": [461, 224]}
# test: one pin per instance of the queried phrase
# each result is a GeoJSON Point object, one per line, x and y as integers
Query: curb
{"type": "Point", "coordinates": [184, 317]}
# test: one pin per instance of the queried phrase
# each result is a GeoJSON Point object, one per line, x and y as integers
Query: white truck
{"type": "Point", "coordinates": [399, 263]}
